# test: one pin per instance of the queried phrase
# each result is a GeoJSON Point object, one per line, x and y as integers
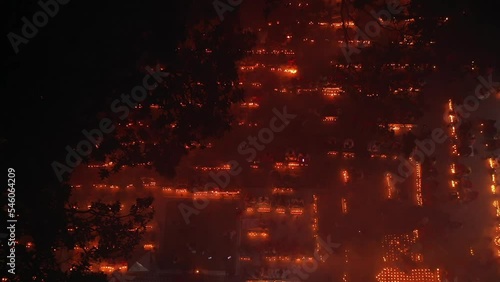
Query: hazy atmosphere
{"type": "Point", "coordinates": [239, 141]}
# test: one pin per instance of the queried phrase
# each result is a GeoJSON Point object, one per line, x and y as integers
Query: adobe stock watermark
{"type": "Point", "coordinates": [250, 147]}
{"type": "Point", "coordinates": [302, 272]}
{"type": "Point", "coordinates": [40, 19]}
{"type": "Point", "coordinates": [426, 148]}
{"type": "Point", "coordinates": [372, 28]}
{"type": "Point", "coordinates": [95, 136]}
{"type": "Point", "coordinates": [221, 7]}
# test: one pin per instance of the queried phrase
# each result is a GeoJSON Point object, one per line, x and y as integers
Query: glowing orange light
{"type": "Point", "coordinates": [345, 176]}
{"type": "Point", "coordinates": [497, 241]}
{"type": "Point", "coordinates": [344, 206]}
{"type": "Point", "coordinates": [419, 184]}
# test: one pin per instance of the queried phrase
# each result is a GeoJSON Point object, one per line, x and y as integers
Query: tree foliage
{"type": "Point", "coordinates": [65, 79]}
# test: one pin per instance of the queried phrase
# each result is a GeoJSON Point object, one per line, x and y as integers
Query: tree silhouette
{"type": "Point", "coordinates": [65, 79]}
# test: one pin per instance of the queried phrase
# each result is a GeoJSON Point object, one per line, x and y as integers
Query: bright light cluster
{"type": "Point", "coordinates": [396, 246]}
{"type": "Point", "coordinates": [454, 148]}
{"type": "Point", "coordinates": [332, 91]}
{"type": "Point", "coordinates": [345, 176]}
{"type": "Point", "coordinates": [390, 187]}
{"type": "Point", "coordinates": [383, 156]}
{"type": "Point", "coordinates": [272, 52]}
{"type": "Point", "coordinates": [290, 165]}
{"type": "Point", "coordinates": [344, 206]}
{"type": "Point", "coordinates": [400, 126]}
{"type": "Point", "coordinates": [389, 274]}
{"type": "Point", "coordinates": [209, 168]}
{"type": "Point", "coordinates": [329, 119]}
{"type": "Point", "coordinates": [315, 226]}
{"type": "Point", "coordinates": [418, 184]}
{"type": "Point", "coordinates": [112, 268]}
{"type": "Point", "coordinates": [148, 247]}
{"type": "Point", "coordinates": [287, 259]}
{"type": "Point", "coordinates": [250, 105]}
{"type": "Point", "coordinates": [345, 155]}
{"type": "Point", "coordinates": [496, 203]}
{"type": "Point", "coordinates": [254, 234]}
{"type": "Point", "coordinates": [286, 191]}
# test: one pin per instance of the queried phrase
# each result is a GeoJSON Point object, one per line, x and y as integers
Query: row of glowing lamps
{"type": "Point", "coordinates": [454, 141]}
{"type": "Point", "coordinates": [106, 186]}
{"type": "Point", "coordinates": [418, 184]}
{"type": "Point", "coordinates": [343, 201]}
{"type": "Point", "coordinates": [211, 168]}
{"type": "Point", "coordinates": [202, 194]}
{"type": "Point", "coordinates": [290, 165]}
{"type": "Point", "coordinates": [315, 226]}
{"type": "Point", "coordinates": [326, 24]}
{"type": "Point", "coordinates": [496, 203]}
{"type": "Point", "coordinates": [272, 52]}
{"type": "Point", "coordinates": [390, 186]}
{"type": "Point", "coordinates": [110, 164]}
{"type": "Point", "coordinates": [390, 274]}
{"type": "Point", "coordinates": [281, 259]}
{"type": "Point", "coordinates": [277, 165]}
{"type": "Point", "coordinates": [278, 210]}
{"type": "Point", "coordinates": [389, 66]}
{"type": "Point", "coordinates": [262, 66]}
{"type": "Point", "coordinates": [351, 155]}
{"type": "Point", "coordinates": [344, 155]}
{"type": "Point", "coordinates": [326, 91]}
